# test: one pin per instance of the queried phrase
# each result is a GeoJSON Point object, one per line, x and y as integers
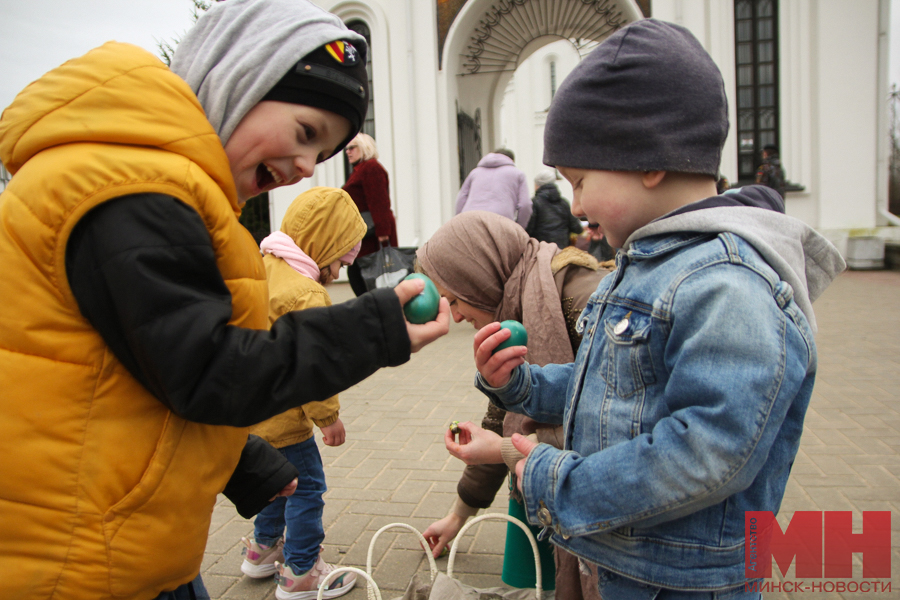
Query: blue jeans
{"type": "Point", "coordinates": [301, 512]}
{"type": "Point", "coordinates": [194, 590]}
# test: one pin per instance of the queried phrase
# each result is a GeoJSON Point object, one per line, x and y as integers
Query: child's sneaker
{"type": "Point", "coordinates": [306, 585]}
{"type": "Point", "coordinates": [259, 560]}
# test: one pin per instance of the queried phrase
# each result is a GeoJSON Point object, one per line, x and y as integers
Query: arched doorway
{"type": "Point", "coordinates": [522, 106]}
{"type": "Point", "coordinates": [489, 39]}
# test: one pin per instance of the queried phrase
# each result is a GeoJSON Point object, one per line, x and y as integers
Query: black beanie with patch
{"type": "Point", "coordinates": [332, 77]}
{"type": "Point", "coordinates": [649, 98]}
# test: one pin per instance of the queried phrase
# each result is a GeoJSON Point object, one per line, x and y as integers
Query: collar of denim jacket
{"type": "Point", "coordinates": [800, 256]}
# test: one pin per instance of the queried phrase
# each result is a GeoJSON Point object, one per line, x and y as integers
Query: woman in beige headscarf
{"type": "Point", "coordinates": [490, 270]}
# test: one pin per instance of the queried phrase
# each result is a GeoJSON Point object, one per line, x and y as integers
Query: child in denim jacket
{"type": "Point", "coordinates": [685, 403]}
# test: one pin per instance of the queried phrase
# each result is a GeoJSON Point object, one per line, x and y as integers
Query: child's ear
{"type": "Point", "coordinates": [651, 179]}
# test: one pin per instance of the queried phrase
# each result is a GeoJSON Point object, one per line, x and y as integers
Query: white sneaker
{"type": "Point", "coordinates": [259, 560]}
{"type": "Point", "coordinates": [305, 586]}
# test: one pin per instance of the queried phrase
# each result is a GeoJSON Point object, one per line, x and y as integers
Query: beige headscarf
{"type": "Point", "coordinates": [488, 261]}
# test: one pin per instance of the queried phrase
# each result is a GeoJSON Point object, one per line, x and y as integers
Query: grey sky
{"type": "Point", "coordinates": [38, 35]}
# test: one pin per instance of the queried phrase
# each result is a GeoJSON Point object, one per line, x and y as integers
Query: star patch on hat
{"type": "Point", "coordinates": [343, 52]}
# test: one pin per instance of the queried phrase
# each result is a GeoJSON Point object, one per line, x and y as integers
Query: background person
{"type": "Point", "coordinates": [498, 186]}
{"type": "Point", "coordinates": [551, 219]}
{"type": "Point", "coordinates": [770, 172]}
{"type": "Point", "coordinates": [722, 184]}
{"type": "Point", "coordinates": [489, 269]}
{"type": "Point", "coordinates": [135, 330]}
{"type": "Point", "coordinates": [598, 247]}
{"type": "Point", "coordinates": [368, 186]}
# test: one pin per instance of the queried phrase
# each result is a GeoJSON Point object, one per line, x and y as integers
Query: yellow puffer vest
{"type": "Point", "coordinates": [105, 493]}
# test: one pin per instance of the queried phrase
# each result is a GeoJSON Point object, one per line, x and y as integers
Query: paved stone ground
{"type": "Point", "coordinates": [394, 467]}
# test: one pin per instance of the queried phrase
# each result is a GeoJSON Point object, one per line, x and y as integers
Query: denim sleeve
{"type": "Point", "coordinates": [537, 392]}
{"type": "Point", "coordinates": [738, 356]}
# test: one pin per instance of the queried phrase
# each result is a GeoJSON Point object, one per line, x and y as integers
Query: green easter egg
{"type": "Point", "coordinates": [518, 337]}
{"type": "Point", "coordinates": [424, 307]}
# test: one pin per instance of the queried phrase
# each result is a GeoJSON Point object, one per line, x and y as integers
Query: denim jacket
{"type": "Point", "coordinates": [685, 403]}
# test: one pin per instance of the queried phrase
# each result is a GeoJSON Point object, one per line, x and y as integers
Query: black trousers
{"type": "Point", "coordinates": [357, 283]}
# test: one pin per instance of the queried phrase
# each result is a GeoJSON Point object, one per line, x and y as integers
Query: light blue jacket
{"type": "Point", "coordinates": [685, 404]}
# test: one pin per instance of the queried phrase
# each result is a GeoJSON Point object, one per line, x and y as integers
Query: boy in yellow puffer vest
{"type": "Point", "coordinates": [321, 232]}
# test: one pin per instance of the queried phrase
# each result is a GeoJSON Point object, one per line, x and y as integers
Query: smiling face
{"type": "Point", "coordinates": [617, 200]}
{"type": "Point", "coordinates": [279, 143]}
{"type": "Point", "coordinates": [463, 311]}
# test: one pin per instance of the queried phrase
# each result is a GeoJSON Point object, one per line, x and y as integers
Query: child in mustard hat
{"type": "Point", "coordinates": [322, 231]}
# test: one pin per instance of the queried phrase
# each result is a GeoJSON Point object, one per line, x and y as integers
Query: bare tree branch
{"type": "Point", "coordinates": [166, 48]}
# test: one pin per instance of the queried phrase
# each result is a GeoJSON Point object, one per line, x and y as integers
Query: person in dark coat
{"type": "Point", "coordinates": [551, 216]}
{"type": "Point", "coordinates": [770, 172]}
{"type": "Point", "coordinates": [599, 248]}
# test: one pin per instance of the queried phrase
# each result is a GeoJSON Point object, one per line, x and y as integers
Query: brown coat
{"type": "Point", "coordinates": [577, 274]}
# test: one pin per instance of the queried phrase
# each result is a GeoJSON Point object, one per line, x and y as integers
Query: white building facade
{"type": "Point", "coordinates": [454, 79]}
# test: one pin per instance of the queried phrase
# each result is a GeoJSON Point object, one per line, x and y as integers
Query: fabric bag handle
{"type": "Point", "coordinates": [538, 592]}
{"type": "Point", "coordinates": [323, 587]}
{"type": "Point", "coordinates": [422, 541]}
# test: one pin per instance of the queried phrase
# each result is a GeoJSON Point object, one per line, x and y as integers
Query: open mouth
{"type": "Point", "coordinates": [267, 177]}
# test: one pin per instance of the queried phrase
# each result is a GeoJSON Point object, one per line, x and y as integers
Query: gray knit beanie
{"type": "Point", "coordinates": [649, 98]}
{"type": "Point", "coordinates": [240, 49]}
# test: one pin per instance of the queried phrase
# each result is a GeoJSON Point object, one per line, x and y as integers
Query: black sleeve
{"type": "Point", "coordinates": [533, 219]}
{"type": "Point", "coordinates": [261, 473]}
{"type": "Point", "coordinates": [144, 273]}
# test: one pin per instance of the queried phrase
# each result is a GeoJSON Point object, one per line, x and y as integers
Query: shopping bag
{"type": "Point", "coordinates": [439, 586]}
{"type": "Point", "coordinates": [370, 224]}
{"type": "Point", "coordinates": [445, 587]}
{"type": "Point", "coordinates": [386, 267]}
